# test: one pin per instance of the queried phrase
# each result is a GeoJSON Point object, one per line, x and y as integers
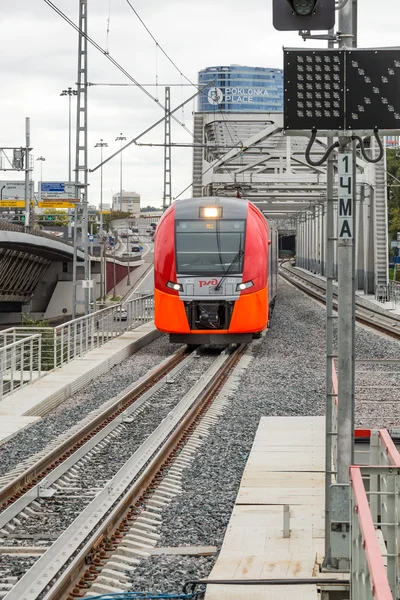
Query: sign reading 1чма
{"type": "Point", "coordinates": [345, 196]}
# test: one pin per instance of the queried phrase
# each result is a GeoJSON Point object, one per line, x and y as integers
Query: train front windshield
{"type": "Point", "coordinates": [209, 247]}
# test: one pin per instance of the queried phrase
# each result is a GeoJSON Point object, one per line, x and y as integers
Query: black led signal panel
{"type": "Point", "coordinates": [333, 90]}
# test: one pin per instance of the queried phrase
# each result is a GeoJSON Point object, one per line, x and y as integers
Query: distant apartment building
{"type": "Point", "coordinates": [130, 202]}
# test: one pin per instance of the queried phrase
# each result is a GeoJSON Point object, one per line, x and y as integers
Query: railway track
{"type": "Point", "coordinates": [77, 515]}
{"type": "Point", "coordinates": [368, 316]}
{"type": "Point", "coordinates": [32, 471]}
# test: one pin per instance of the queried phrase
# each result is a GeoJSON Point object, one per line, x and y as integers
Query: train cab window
{"type": "Point", "coordinates": [209, 246]}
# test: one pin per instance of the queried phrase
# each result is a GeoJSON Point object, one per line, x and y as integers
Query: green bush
{"type": "Point", "coordinates": [47, 340]}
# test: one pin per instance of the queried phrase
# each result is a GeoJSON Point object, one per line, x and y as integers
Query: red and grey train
{"type": "Point", "coordinates": [215, 271]}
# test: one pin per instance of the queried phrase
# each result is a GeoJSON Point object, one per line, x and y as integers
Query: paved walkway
{"type": "Point", "coordinates": [277, 527]}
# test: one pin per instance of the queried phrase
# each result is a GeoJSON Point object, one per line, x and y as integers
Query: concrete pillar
{"type": "Point", "coordinates": [369, 272]}
{"type": "Point", "coordinates": [380, 220]}
{"type": "Point", "coordinates": [360, 231]}
{"type": "Point", "coordinates": [335, 234]}
{"type": "Point", "coordinates": [323, 238]}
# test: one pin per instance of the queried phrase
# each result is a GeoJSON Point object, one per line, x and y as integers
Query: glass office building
{"type": "Point", "coordinates": [241, 89]}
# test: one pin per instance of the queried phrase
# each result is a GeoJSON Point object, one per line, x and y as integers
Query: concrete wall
{"type": "Point", "coordinates": [62, 299]}
{"type": "Point", "coordinates": [121, 271]}
{"type": "Point", "coordinates": [45, 288]}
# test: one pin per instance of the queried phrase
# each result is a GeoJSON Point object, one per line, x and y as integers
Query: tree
{"type": "Point", "coordinates": [115, 214]}
{"type": "Point", "coordinates": [394, 222]}
{"type": "Point", "coordinates": [53, 217]}
{"type": "Point", "coordinates": [150, 209]}
{"type": "Point", "coordinates": [393, 184]}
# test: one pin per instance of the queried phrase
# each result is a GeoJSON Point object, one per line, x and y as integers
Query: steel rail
{"type": "Point", "coordinates": [38, 471]}
{"type": "Point", "coordinates": [384, 323]}
{"type": "Point", "coordinates": [56, 573]}
{"type": "Point", "coordinates": [90, 442]}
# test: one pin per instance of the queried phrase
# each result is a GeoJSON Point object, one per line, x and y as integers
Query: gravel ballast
{"type": "Point", "coordinates": [285, 378]}
{"type": "Point", "coordinates": [92, 396]}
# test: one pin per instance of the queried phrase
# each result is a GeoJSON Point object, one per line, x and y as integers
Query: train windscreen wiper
{"type": "Point", "coordinates": [229, 269]}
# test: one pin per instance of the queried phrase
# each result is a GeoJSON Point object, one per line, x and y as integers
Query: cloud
{"type": "Point", "coordinates": [39, 59]}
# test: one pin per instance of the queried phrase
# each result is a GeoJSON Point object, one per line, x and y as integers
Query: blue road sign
{"type": "Point", "coordinates": [111, 242]}
{"type": "Point", "coordinates": [141, 247]}
{"type": "Point", "coordinates": [91, 238]}
{"type": "Point", "coordinates": [53, 186]}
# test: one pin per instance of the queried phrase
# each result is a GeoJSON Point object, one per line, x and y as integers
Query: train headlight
{"type": "Point", "coordinates": [173, 285]}
{"type": "Point", "coordinates": [210, 212]}
{"type": "Point", "coordinates": [245, 285]}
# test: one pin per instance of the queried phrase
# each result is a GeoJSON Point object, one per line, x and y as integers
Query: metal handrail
{"type": "Point", "coordinates": [63, 343]}
{"type": "Point", "coordinates": [6, 226]}
{"type": "Point", "coordinates": [19, 361]}
{"type": "Point", "coordinates": [389, 448]}
{"type": "Point", "coordinates": [363, 527]}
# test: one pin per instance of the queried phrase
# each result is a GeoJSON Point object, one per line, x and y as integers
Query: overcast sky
{"type": "Point", "coordinates": [38, 59]}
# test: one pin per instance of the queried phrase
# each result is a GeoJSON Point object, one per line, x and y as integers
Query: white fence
{"type": "Point", "coordinates": [20, 361]}
{"type": "Point", "coordinates": [29, 353]}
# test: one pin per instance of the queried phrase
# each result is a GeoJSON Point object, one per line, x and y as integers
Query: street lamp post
{"type": "Point", "coordinates": [42, 159]}
{"type": "Point", "coordinates": [69, 92]}
{"type": "Point", "coordinates": [120, 138]}
{"type": "Point", "coordinates": [101, 145]}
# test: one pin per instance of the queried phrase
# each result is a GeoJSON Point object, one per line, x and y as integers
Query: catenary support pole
{"type": "Point", "coordinates": [167, 195]}
{"type": "Point", "coordinates": [81, 154]}
{"type": "Point", "coordinates": [346, 275]}
{"type": "Point", "coordinates": [330, 241]}
{"type": "Point", "coordinates": [27, 172]}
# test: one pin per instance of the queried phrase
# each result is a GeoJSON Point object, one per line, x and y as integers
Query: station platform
{"type": "Point", "coordinates": [276, 530]}
{"type": "Point", "coordinates": [31, 402]}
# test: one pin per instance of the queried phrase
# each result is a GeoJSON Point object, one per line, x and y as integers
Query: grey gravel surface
{"type": "Point", "coordinates": [105, 459]}
{"type": "Point", "coordinates": [15, 566]}
{"type": "Point", "coordinates": [360, 299]}
{"type": "Point", "coordinates": [286, 377]}
{"type": "Point", "coordinates": [37, 436]}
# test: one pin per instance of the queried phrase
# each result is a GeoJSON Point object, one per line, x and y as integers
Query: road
{"type": "Point", "coordinates": [145, 284]}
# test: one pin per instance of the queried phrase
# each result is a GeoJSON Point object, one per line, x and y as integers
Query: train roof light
{"type": "Point", "coordinates": [210, 212]}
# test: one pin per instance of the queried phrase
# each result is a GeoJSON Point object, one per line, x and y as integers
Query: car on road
{"type": "Point", "coordinates": [136, 248]}
{"type": "Point", "coordinates": [121, 314]}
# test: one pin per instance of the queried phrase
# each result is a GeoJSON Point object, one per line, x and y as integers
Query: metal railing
{"type": "Point", "coordinates": [29, 353]}
{"type": "Point", "coordinates": [393, 291]}
{"type": "Point", "coordinates": [75, 338]}
{"type": "Point", "coordinates": [375, 522]}
{"type": "Point", "coordinates": [368, 575]}
{"type": "Point", "coordinates": [20, 362]}
{"type": "Point", "coordinates": [7, 226]}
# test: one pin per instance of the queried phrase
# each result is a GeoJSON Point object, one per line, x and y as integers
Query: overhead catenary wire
{"type": "Point", "coordinates": [113, 61]}
{"type": "Point", "coordinates": [158, 45]}
{"type": "Point", "coordinates": [204, 172]}
{"type": "Point", "coordinates": [143, 133]}
{"type": "Point", "coordinates": [108, 27]}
